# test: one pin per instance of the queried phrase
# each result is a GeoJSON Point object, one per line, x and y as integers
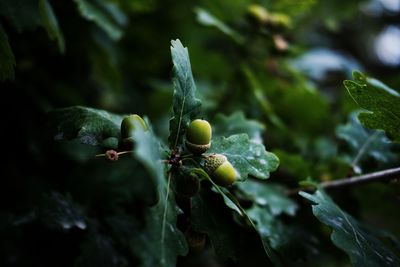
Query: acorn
{"type": "Point", "coordinates": [220, 170]}
{"type": "Point", "coordinates": [262, 16]}
{"type": "Point", "coordinates": [198, 136]}
{"type": "Point", "coordinates": [130, 123]}
{"type": "Point", "coordinates": [279, 21]}
{"type": "Point", "coordinates": [128, 126]}
{"type": "Point", "coordinates": [258, 13]}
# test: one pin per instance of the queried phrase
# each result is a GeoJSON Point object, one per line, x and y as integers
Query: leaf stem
{"type": "Point", "coordinates": [164, 220]}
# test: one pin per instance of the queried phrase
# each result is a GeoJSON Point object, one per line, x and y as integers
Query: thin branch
{"type": "Point", "coordinates": [381, 176]}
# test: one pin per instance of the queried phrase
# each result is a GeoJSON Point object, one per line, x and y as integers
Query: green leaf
{"type": "Point", "coordinates": [206, 217]}
{"type": "Point", "coordinates": [207, 19]}
{"type": "Point", "coordinates": [50, 23]}
{"type": "Point", "coordinates": [248, 157]}
{"type": "Point", "coordinates": [228, 198]}
{"type": "Point", "coordinates": [100, 15]}
{"type": "Point", "coordinates": [232, 203]}
{"type": "Point", "coordinates": [90, 126]}
{"type": "Point", "coordinates": [269, 201]}
{"type": "Point", "coordinates": [293, 243]}
{"type": "Point", "coordinates": [160, 242]}
{"type": "Point", "coordinates": [7, 62]}
{"type": "Point", "coordinates": [236, 123]}
{"type": "Point", "coordinates": [186, 106]}
{"type": "Point", "coordinates": [364, 144]}
{"type": "Point", "coordinates": [382, 104]}
{"type": "Point", "coordinates": [269, 228]}
{"type": "Point", "coordinates": [271, 195]}
{"type": "Point", "coordinates": [363, 248]}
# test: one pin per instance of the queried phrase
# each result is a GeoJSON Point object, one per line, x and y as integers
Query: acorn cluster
{"type": "Point", "coordinates": [198, 141]}
{"type": "Point", "coordinates": [217, 166]}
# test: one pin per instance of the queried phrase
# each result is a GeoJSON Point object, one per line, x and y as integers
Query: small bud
{"type": "Point", "coordinates": [111, 155]}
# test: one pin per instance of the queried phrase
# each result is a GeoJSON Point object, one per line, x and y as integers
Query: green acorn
{"type": "Point", "coordinates": [262, 16]}
{"type": "Point", "coordinates": [220, 170]}
{"type": "Point", "coordinates": [279, 21]}
{"type": "Point", "coordinates": [198, 136]}
{"type": "Point", "coordinates": [257, 13]}
{"type": "Point", "coordinates": [128, 126]}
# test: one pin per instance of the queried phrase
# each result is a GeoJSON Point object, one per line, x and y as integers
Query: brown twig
{"type": "Point", "coordinates": [380, 176]}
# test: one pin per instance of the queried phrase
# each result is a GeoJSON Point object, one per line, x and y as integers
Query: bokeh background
{"type": "Point", "coordinates": [57, 201]}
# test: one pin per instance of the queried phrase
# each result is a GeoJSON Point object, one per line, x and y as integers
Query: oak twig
{"type": "Point", "coordinates": [380, 176]}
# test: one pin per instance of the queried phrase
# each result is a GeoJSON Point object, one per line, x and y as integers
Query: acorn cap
{"type": "Point", "coordinates": [213, 162]}
{"type": "Point", "coordinates": [220, 170]}
{"type": "Point", "coordinates": [197, 149]}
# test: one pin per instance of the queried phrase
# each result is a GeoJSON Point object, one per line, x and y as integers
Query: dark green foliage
{"type": "Point", "coordinates": [8, 61]}
{"type": "Point", "coordinates": [89, 126]}
{"type": "Point", "coordinates": [363, 248]}
{"type": "Point", "coordinates": [76, 192]}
